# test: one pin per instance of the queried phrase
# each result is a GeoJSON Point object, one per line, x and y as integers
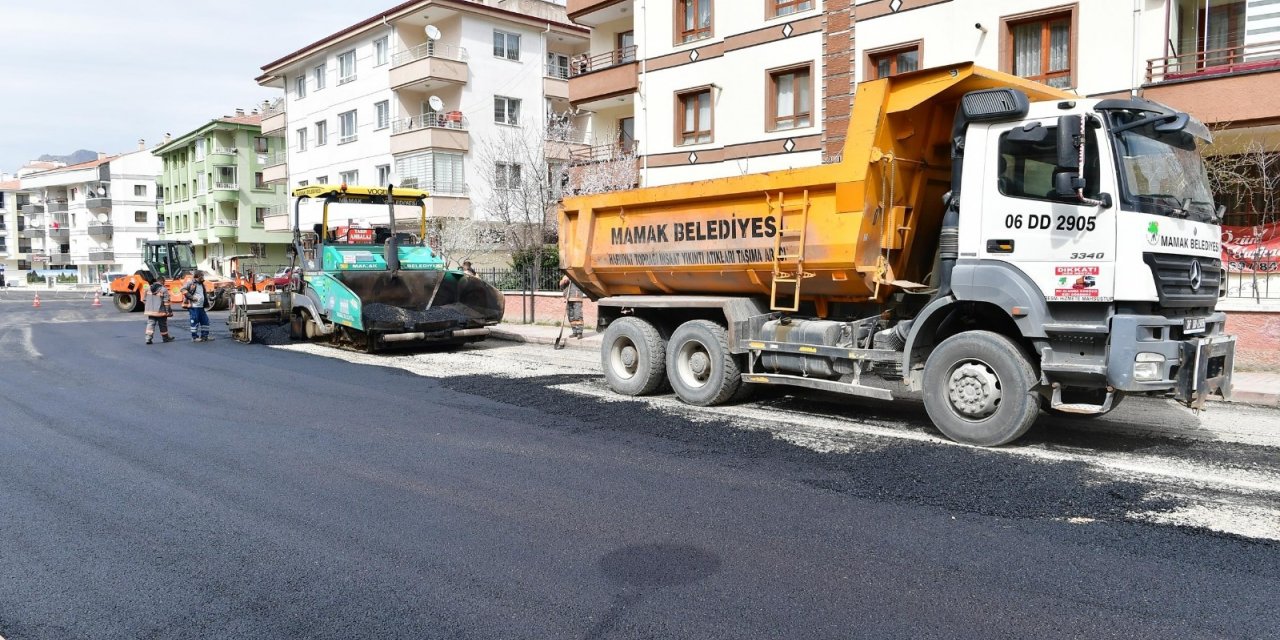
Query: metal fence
{"type": "Point", "coordinates": [524, 280]}
{"type": "Point", "coordinates": [1253, 285]}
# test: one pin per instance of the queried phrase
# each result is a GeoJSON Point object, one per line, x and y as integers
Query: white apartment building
{"type": "Point", "coordinates": [15, 248]}
{"type": "Point", "coordinates": [93, 217]}
{"type": "Point", "coordinates": [409, 96]}
{"type": "Point", "coordinates": [704, 88]}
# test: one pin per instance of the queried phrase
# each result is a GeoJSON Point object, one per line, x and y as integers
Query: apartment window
{"type": "Point", "coordinates": [140, 216]}
{"type": "Point", "coordinates": [322, 133]}
{"type": "Point", "coordinates": [347, 67]}
{"type": "Point", "coordinates": [506, 45]}
{"type": "Point", "coordinates": [382, 112]}
{"type": "Point", "coordinates": [506, 110]}
{"type": "Point", "coordinates": [893, 60]}
{"type": "Point", "coordinates": [694, 119]}
{"type": "Point", "coordinates": [322, 180]}
{"type": "Point", "coordinates": [1040, 46]}
{"type": "Point", "coordinates": [302, 139]}
{"type": "Point", "coordinates": [380, 51]}
{"type": "Point", "coordinates": [557, 65]}
{"type": "Point", "coordinates": [506, 175]}
{"type": "Point", "coordinates": [384, 174]}
{"type": "Point", "coordinates": [788, 7]}
{"type": "Point", "coordinates": [200, 148]}
{"type": "Point", "coordinates": [437, 172]}
{"type": "Point", "coordinates": [626, 51]}
{"type": "Point", "coordinates": [258, 249]}
{"type": "Point", "coordinates": [790, 98]}
{"type": "Point", "coordinates": [260, 144]}
{"type": "Point", "coordinates": [140, 190]}
{"type": "Point", "coordinates": [300, 86]}
{"type": "Point", "coordinates": [258, 182]}
{"type": "Point", "coordinates": [319, 73]}
{"type": "Point", "coordinates": [346, 126]}
{"type": "Point", "coordinates": [303, 183]}
{"type": "Point", "coordinates": [693, 20]}
{"type": "Point", "coordinates": [259, 215]}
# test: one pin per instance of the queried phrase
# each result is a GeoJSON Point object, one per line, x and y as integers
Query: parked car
{"type": "Point", "coordinates": [105, 285]}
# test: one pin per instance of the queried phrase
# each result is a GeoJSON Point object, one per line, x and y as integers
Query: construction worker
{"type": "Point", "coordinates": [194, 296]}
{"type": "Point", "coordinates": [467, 268]}
{"type": "Point", "coordinates": [573, 305]}
{"type": "Point", "coordinates": [158, 310]}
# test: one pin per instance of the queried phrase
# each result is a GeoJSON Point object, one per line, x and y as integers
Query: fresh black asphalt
{"type": "Point", "coordinates": [231, 491]}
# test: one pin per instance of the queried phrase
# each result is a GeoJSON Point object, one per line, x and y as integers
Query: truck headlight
{"type": "Point", "coordinates": [1148, 367]}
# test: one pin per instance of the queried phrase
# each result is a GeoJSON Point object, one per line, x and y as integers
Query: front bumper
{"type": "Point", "coordinates": [1194, 367]}
{"type": "Point", "coordinates": [1206, 370]}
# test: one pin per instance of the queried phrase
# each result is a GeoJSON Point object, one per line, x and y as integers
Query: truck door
{"type": "Point", "coordinates": [1066, 247]}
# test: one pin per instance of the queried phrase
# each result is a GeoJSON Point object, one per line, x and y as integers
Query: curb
{"type": "Point", "coordinates": [1258, 398]}
{"type": "Point", "coordinates": [496, 333]}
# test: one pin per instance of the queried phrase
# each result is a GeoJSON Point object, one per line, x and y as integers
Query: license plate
{"type": "Point", "coordinates": [1193, 325]}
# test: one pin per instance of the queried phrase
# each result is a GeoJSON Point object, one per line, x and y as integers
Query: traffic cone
{"type": "Point", "coordinates": [35, 304]}
{"type": "Point", "coordinates": [97, 301]}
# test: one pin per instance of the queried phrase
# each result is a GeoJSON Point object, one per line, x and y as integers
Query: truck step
{"type": "Point", "coordinates": [821, 385]}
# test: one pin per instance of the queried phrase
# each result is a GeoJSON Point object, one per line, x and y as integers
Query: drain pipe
{"type": "Point", "coordinates": [644, 103]}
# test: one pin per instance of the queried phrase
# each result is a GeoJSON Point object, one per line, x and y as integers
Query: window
{"type": "Point", "coordinates": [322, 179]}
{"type": "Point", "coordinates": [382, 113]}
{"type": "Point", "coordinates": [506, 175]}
{"type": "Point", "coordinates": [694, 117]}
{"type": "Point", "coordinates": [200, 149]}
{"type": "Point", "coordinates": [140, 190]}
{"type": "Point", "coordinates": [384, 175]}
{"type": "Point", "coordinates": [506, 45]}
{"type": "Point", "coordinates": [300, 86]}
{"type": "Point", "coordinates": [437, 172]}
{"type": "Point", "coordinates": [302, 139]}
{"type": "Point", "coordinates": [693, 20]}
{"type": "Point", "coordinates": [506, 110]}
{"type": "Point", "coordinates": [258, 182]}
{"type": "Point", "coordinates": [380, 51]}
{"type": "Point", "coordinates": [259, 215]}
{"type": "Point", "coordinates": [303, 183]}
{"type": "Point", "coordinates": [322, 133]}
{"type": "Point", "coordinates": [258, 249]}
{"type": "Point", "coordinates": [557, 65]}
{"type": "Point", "coordinates": [788, 7]}
{"type": "Point", "coordinates": [883, 63]}
{"type": "Point", "coordinates": [346, 126]}
{"type": "Point", "coordinates": [790, 98]}
{"type": "Point", "coordinates": [260, 144]}
{"type": "Point", "coordinates": [349, 177]}
{"type": "Point", "coordinates": [319, 73]}
{"type": "Point", "coordinates": [627, 134]}
{"type": "Point", "coordinates": [347, 67]}
{"type": "Point", "coordinates": [626, 47]}
{"type": "Point", "coordinates": [140, 216]}
{"type": "Point", "coordinates": [202, 183]}
{"type": "Point", "coordinates": [1026, 167]}
{"type": "Point", "coordinates": [1040, 47]}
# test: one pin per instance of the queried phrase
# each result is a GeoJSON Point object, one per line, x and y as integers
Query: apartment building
{"type": "Point", "coordinates": [413, 95]}
{"type": "Point", "coordinates": [709, 88]}
{"type": "Point", "coordinates": [15, 246]}
{"type": "Point", "coordinates": [215, 194]}
{"type": "Point", "coordinates": [91, 218]}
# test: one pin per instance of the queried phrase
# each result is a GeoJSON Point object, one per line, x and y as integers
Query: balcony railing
{"type": "Point", "coordinates": [429, 50]}
{"type": "Point", "coordinates": [1198, 64]}
{"type": "Point", "coordinates": [276, 159]}
{"type": "Point", "coordinates": [226, 186]}
{"type": "Point", "coordinates": [603, 153]}
{"type": "Point", "coordinates": [101, 229]}
{"type": "Point", "coordinates": [61, 233]}
{"type": "Point", "coordinates": [432, 120]}
{"type": "Point", "coordinates": [102, 256]}
{"type": "Point", "coordinates": [584, 64]}
{"type": "Point", "coordinates": [438, 187]}
{"type": "Point", "coordinates": [56, 206]}
{"type": "Point", "coordinates": [557, 71]}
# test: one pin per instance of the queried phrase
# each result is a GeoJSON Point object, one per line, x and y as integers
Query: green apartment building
{"type": "Point", "coordinates": [212, 192]}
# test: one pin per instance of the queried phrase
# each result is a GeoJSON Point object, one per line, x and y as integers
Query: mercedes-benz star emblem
{"type": "Point", "coordinates": [1196, 276]}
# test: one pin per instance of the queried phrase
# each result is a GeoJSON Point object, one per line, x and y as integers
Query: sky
{"type": "Point", "coordinates": [87, 74]}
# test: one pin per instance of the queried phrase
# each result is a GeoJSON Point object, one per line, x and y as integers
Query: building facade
{"type": "Point", "coordinates": [91, 218]}
{"type": "Point", "coordinates": [214, 191]}
{"type": "Point", "coordinates": [417, 95]}
{"type": "Point", "coordinates": [702, 88]}
{"type": "Point", "coordinates": [15, 246]}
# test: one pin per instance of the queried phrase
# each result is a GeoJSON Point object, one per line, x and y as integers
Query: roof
{"type": "Point", "coordinates": [10, 185]}
{"type": "Point", "coordinates": [73, 167]}
{"type": "Point", "coordinates": [251, 120]}
{"type": "Point", "coordinates": [400, 8]}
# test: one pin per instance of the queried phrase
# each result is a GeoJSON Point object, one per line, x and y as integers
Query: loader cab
{"type": "Point", "coordinates": [169, 260]}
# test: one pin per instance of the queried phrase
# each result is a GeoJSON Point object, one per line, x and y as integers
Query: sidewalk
{"type": "Point", "coordinates": [1251, 387]}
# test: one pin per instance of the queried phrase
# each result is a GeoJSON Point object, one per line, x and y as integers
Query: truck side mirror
{"type": "Point", "coordinates": [1065, 183]}
{"type": "Point", "coordinates": [1069, 142]}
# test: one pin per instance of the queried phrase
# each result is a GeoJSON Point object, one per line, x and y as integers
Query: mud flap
{"type": "Point", "coordinates": [1206, 369]}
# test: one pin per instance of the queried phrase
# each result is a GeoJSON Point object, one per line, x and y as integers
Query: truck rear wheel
{"type": "Point", "coordinates": [632, 355]}
{"type": "Point", "coordinates": [127, 302]}
{"type": "Point", "coordinates": [979, 389]}
{"type": "Point", "coordinates": [701, 368]}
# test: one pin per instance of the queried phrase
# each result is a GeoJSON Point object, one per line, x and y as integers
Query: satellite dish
{"type": "Point", "coordinates": [433, 32]}
{"type": "Point", "coordinates": [102, 217]}
{"type": "Point", "coordinates": [435, 103]}
{"type": "Point", "coordinates": [104, 245]}
{"type": "Point", "coordinates": [102, 192]}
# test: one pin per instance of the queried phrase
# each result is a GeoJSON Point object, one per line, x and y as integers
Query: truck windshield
{"type": "Point", "coordinates": [1162, 172]}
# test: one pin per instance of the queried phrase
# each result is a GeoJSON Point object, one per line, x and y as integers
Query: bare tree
{"type": "Point", "coordinates": [461, 239]}
{"type": "Point", "coordinates": [523, 169]}
{"type": "Point", "coordinates": [1244, 174]}
{"type": "Point", "coordinates": [604, 168]}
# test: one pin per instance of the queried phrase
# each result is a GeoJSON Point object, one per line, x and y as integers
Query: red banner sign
{"type": "Point", "coordinates": [1255, 248]}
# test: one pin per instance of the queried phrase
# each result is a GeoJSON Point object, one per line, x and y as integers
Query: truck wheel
{"type": "Point", "coordinates": [701, 368]}
{"type": "Point", "coordinates": [127, 302]}
{"type": "Point", "coordinates": [979, 389]}
{"type": "Point", "coordinates": [632, 356]}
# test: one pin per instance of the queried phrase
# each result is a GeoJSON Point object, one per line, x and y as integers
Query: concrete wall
{"type": "Point", "coordinates": [1258, 338]}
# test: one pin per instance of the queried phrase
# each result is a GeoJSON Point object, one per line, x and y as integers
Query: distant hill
{"type": "Point", "coordinates": [82, 155]}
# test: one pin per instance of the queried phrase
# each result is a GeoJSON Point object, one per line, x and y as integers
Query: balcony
{"type": "Point", "coordinates": [56, 206]}
{"type": "Point", "coordinates": [274, 121]}
{"type": "Point", "coordinates": [603, 153]}
{"type": "Point", "coordinates": [98, 204]}
{"type": "Point", "coordinates": [447, 130]}
{"type": "Point", "coordinates": [274, 170]}
{"type": "Point", "coordinates": [223, 155]}
{"type": "Point", "coordinates": [555, 82]}
{"type": "Point", "coordinates": [603, 76]}
{"type": "Point", "coordinates": [1209, 84]}
{"type": "Point", "coordinates": [58, 258]}
{"type": "Point", "coordinates": [31, 232]}
{"type": "Point", "coordinates": [32, 209]}
{"type": "Point", "coordinates": [429, 63]}
{"type": "Point", "coordinates": [223, 230]}
{"type": "Point", "coordinates": [565, 142]}
{"type": "Point", "coordinates": [101, 229]}
{"type": "Point", "coordinates": [102, 255]}
{"type": "Point", "coordinates": [226, 192]}
{"type": "Point", "coordinates": [596, 12]}
{"type": "Point", "coordinates": [61, 234]}
{"type": "Point", "coordinates": [277, 218]}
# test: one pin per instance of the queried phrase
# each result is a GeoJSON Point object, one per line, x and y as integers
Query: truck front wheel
{"type": "Point", "coordinates": [980, 389]}
{"type": "Point", "coordinates": [701, 368]}
{"type": "Point", "coordinates": [632, 355]}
